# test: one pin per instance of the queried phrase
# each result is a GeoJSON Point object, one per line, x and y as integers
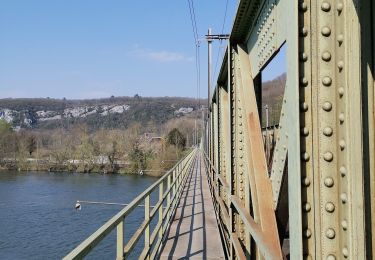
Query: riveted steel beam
{"type": "Point", "coordinates": [367, 15]}
{"type": "Point", "coordinates": [252, 167]}
{"type": "Point", "coordinates": [326, 141]}
{"type": "Point", "coordinates": [279, 158]}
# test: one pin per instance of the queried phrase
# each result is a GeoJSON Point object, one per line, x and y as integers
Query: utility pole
{"type": "Point", "coordinates": [266, 139]}
{"type": "Point", "coordinates": [266, 107]}
{"type": "Point", "coordinates": [210, 37]}
{"type": "Point", "coordinates": [209, 42]}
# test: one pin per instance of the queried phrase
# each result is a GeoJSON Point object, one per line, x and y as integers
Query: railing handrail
{"type": "Point", "coordinates": [255, 230]}
{"type": "Point", "coordinates": [85, 247]}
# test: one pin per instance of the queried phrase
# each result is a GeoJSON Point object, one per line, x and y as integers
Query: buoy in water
{"type": "Point", "coordinates": [78, 206]}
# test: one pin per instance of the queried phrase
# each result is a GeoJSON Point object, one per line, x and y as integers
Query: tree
{"type": "Point", "coordinates": [31, 144]}
{"type": "Point", "coordinates": [5, 127]}
{"type": "Point", "coordinates": [6, 138]}
{"type": "Point", "coordinates": [176, 138]}
{"type": "Point", "coordinates": [137, 157]}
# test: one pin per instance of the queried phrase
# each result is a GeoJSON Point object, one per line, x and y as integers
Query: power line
{"type": "Point", "coordinates": [221, 42]}
{"type": "Point", "coordinates": [193, 21]}
{"type": "Point", "coordinates": [196, 41]}
{"type": "Point", "coordinates": [197, 54]}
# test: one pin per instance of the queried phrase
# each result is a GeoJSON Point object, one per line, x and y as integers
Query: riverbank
{"type": "Point", "coordinates": [43, 166]}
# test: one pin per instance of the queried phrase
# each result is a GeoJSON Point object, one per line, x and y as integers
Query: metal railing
{"type": "Point", "coordinates": [175, 180]}
{"type": "Point", "coordinates": [220, 188]}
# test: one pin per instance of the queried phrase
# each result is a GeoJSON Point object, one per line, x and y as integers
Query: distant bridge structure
{"type": "Point", "coordinates": [304, 190]}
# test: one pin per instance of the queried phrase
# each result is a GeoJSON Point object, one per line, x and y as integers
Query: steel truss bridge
{"type": "Point", "coordinates": [306, 191]}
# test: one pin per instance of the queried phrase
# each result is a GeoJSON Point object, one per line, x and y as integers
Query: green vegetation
{"type": "Point", "coordinates": [132, 150]}
{"type": "Point", "coordinates": [272, 95]}
{"type": "Point", "coordinates": [176, 138]}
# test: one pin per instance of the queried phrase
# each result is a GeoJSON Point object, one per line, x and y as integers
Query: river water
{"type": "Point", "coordinates": [38, 219]}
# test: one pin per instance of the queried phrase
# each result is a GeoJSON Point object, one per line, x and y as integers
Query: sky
{"type": "Point", "coordinates": [94, 48]}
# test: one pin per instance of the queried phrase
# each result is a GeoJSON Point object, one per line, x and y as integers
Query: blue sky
{"type": "Point", "coordinates": [96, 48]}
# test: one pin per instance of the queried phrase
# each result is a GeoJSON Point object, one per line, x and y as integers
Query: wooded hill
{"type": "Point", "coordinates": [114, 112]}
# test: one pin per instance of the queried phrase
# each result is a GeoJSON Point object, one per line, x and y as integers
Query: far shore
{"type": "Point", "coordinates": [45, 166]}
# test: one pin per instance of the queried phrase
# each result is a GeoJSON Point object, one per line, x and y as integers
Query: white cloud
{"type": "Point", "coordinates": [161, 56]}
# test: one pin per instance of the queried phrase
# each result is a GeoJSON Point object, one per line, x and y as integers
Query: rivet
{"type": "Point", "coordinates": [305, 156]}
{"type": "Point", "coordinates": [304, 106]}
{"type": "Point", "coordinates": [330, 233]}
{"type": "Point", "coordinates": [327, 81]}
{"type": "Point", "coordinates": [304, 82]}
{"type": "Point", "coordinates": [326, 56]}
{"type": "Point", "coordinates": [327, 106]}
{"type": "Point", "coordinates": [304, 31]}
{"type": "Point", "coordinates": [340, 38]}
{"type": "Point", "coordinates": [342, 144]}
{"type": "Point", "coordinates": [326, 6]}
{"type": "Point", "coordinates": [330, 207]}
{"type": "Point", "coordinates": [306, 181]}
{"type": "Point", "coordinates": [326, 31]}
{"type": "Point", "coordinates": [331, 257]}
{"type": "Point", "coordinates": [343, 171]}
{"type": "Point", "coordinates": [328, 156]}
{"type": "Point", "coordinates": [345, 252]}
{"type": "Point", "coordinates": [340, 6]}
{"type": "Point", "coordinates": [307, 233]}
{"type": "Point", "coordinates": [344, 197]}
{"type": "Point", "coordinates": [327, 131]}
{"type": "Point", "coordinates": [303, 7]}
{"type": "Point", "coordinates": [340, 65]}
{"type": "Point", "coordinates": [303, 56]}
{"type": "Point", "coordinates": [344, 224]}
{"type": "Point", "coordinates": [307, 207]}
{"type": "Point", "coordinates": [341, 117]}
{"type": "Point", "coordinates": [305, 131]}
{"type": "Point", "coordinates": [328, 182]}
{"type": "Point", "coordinates": [341, 91]}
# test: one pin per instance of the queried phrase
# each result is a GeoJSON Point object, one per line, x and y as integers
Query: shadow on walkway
{"type": "Point", "coordinates": [194, 234]}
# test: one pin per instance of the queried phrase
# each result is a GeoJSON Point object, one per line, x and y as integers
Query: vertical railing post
{"type": "Point", "coordinates": [120, 241]}
{"type": "Point", "coordinates": [169, 195]}
{"type": "Point", "coordinates": [161, 192]}
{"type": "Point", "coordinates": [175, 182]}
{"type": "Point", "coordinates": [147, 230]}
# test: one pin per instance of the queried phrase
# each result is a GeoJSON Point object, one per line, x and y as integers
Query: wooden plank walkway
{"type": "Point", "coordinates": [194, 233]}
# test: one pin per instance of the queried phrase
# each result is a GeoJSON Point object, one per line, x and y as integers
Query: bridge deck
{"type": "Point", "coordinates": [194, 233]}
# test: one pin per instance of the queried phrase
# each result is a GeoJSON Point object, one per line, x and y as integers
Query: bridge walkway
{"type": "Point", "coordinates": [194, 233]}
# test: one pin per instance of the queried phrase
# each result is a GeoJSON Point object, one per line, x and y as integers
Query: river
{"type": "Point", "coordinates": [38, 219]}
